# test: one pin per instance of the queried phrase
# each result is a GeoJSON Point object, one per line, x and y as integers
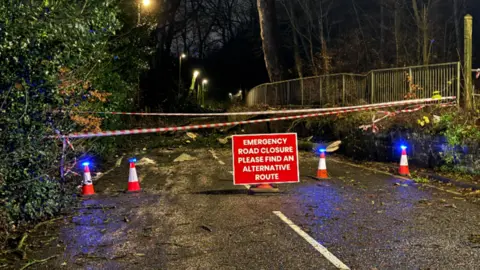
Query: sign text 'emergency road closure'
{"type": "Point", "coordinates": [265, 158]}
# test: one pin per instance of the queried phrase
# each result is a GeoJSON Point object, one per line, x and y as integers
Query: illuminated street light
{"type": "Point", "coordinates": [180, 83]}
{"type": "Point", "coordinates": [145, 3]}
{"type": "Point", "coordinates": [195, 75]}
{"type": "Point", "coordinates": [202, 93]}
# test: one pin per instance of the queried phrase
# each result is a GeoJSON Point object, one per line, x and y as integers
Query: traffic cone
{"type": "Point", "coordinates": [133, 184]}
{"type": "Point", "coordinates": [404, 163]}
{"type": "Point", "coordinates": [263, 188]}
{"type": "Point", "coordinates": [322, 167]}
{"type": "Point", "coordinates": [87, 188]}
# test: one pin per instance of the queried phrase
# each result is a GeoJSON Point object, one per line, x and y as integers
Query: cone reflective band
{"type": "Point", "coordinates": [87, 188]}
{"type": "Point", "coordinates": [133, 184]}
{"type": "Point", "coordinates": [404, 163]}
{"type": "Point", "coordinates": [322, 166]}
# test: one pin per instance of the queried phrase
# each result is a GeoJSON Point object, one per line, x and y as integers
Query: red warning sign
{"type": "Point", "coordinates": [265, 158]}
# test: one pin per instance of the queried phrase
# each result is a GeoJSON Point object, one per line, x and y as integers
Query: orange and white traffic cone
{"type": "Point", "coordinates": [263, 188]}
{"type": "Point", "coordinates": [87, 188]}
{"type": "Point", "coordinates": [322, 167]}
{"type": "Point", "coordinates": [404, 163]}
{"type": "Point", "coordinates": [133, 184]}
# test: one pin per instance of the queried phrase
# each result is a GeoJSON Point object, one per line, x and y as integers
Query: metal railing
{"type": "Point", "coordinates": [377, 86]}
{"type": "Point", "coordinates": [476, 91]}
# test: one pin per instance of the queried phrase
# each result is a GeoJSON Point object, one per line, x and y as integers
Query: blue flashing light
{"type": "Point", "coordinates": [133, 160]}
{"type": "Point", "coordinates": [403, 147]}
{"type": "Point", "coordinates": [85, 164]}
{"type": "Point", "coordinates": [322, 150]}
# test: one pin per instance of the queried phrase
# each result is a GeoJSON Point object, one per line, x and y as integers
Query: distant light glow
{"type": "Point", "coordinates": [133, 160]}
{"type": "Point", "coordinates": [146, 3]}
{"type": "Point", "coordinates": [183, 55]}
{"type": "Point", "coordinates": [403, 147]}
{"type": "Point", "coordinates": [85, 164]}
{"type": "Point", "coordinates": [196, 73]}
{"type": "Point", "coordinates": [205, 81]}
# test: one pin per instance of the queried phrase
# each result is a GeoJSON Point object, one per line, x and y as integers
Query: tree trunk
{"type": "Point", "coordinates": [421, 21]}
{"type": "Point", "coordinates": [397, 32]}
{"type": "Point", "coordinates": [325, 56]}
{"type": "Point", "coordinates": [426, 39]}
{"type": "Point", "coordinates": [458, 36]}
{"type": "Point", "coordinates": [362, 33]}
{"type": "Point", "coordinates": [298, 58]}
{"type": "Point", "coordinates": [323, 41]}
{"type": "Point", "coordinates": [382, 33]}
{"type": "Point", "coordinates": [296, 45]}
{"type": "Point", "coordinates": [270, 39]}
{"type": "Point", "coordinates": [185, 24]}
{"type": "Point", "coordinates": [166, 16]}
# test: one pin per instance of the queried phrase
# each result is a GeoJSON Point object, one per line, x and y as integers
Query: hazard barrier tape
{"type": "Point", "coordinates": [225, 124]}
{"type": "Point", "coordinates": [390, 104]}
{"type": "Point", "coordinates": [376, 129]}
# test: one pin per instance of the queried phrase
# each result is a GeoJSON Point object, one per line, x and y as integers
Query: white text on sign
{"type": "Point", "coordinates": [269, 158]}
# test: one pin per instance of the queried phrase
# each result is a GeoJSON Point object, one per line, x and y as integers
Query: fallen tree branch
{"type": "Point", "coordinates": [22, 241]}
{"type": "Point", "coordinates": [21, 245]}
{"type": "Point", "coordinates": [37, 261]}
{"type": "Point", "coordinates": [44, 222]}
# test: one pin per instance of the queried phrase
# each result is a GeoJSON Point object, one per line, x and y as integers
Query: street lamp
{"type": "Point", "coordinates": [145, 3]}
{"type": "Point", "coordinates": [204, 82]}
{"type": "Point", "coordinates": [182, 56]}
{"type": "Point", "coordinates": [195, 75]}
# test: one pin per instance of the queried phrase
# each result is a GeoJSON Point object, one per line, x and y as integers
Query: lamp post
{"type": "Point", "coordinates": [195, 75]}
{"type": "Point", "coordinates": [145, 3]}
{"type": "Point", "coordinates": [182, 56]}
{"type": "Point", "coordinates": [204, 83]}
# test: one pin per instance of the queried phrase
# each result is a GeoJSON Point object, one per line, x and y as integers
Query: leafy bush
{"type": "Point", "coordinates": [51, 53]}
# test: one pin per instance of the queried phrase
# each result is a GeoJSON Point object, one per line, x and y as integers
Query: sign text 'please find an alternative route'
{"type": "Point", "coordinates": [265, 158]}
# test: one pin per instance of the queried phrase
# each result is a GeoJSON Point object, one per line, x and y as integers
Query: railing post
{"type": "Point", "coordinates": [372, 94]}
{"type": "Point", "coordinates": [301, 85]}
{"type": "Point", "coordinates": [276, 96]}
{"type": "Point", "coordinates": [468, 62]}
{"type": "Point", "coordinates": [343, 89]}
{"type": "Point", "coordinates": [320, 90]}
{"type": "Point", "coordinates": [410, 83]}
{"type": "Point", "coordinates": [459, 70]}
{"type": "Point", "coordinates": [266, 90]}
{"type": "Point", "coordinates": [288, 93]}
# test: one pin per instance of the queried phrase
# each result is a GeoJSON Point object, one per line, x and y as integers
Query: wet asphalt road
{"type": "Point", "coordinates": [190, 216]}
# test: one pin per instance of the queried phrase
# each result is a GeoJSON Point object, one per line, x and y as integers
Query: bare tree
{"type": "Point", "coordinates": [421, 11]}
{"type": "Point", "coordinates": [270, 39]}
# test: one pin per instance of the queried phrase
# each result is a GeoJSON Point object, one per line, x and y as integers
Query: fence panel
{"type": "Point", "coordinates": [378, 86]}
{"type": "Point", "coordinates": [415, 82]}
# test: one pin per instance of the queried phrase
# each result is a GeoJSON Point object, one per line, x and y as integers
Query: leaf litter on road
{"type": "Point", "coordinates": [206, 228]}
{"type": "Point", "coordinates": [474, 238]}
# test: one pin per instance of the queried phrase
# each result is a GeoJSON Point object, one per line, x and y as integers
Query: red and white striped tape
{"type": "Point", "coordinates": [225, 124]}
{"type": "Point", "coordinates": [390, 104]}
{"type": "Point", "coordinates": [375, 128]}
